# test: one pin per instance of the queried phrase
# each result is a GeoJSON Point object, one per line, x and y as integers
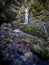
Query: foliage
{"type": "Point", "coordinates": [37, 6]}
{"type": "Point", "coordinates": [45, 4]}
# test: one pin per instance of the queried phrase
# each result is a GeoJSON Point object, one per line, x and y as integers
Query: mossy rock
{"type": "Point", "coordinates": [34, 11]}
{"type": "Point", "coordinates": [37, 6]}
{"type": "Point", "coordinates": [41, 51]}
{"type": "Point", "coordinates": [21, 13]}
{"type": "Point", "coordinates": [45, 52]}
{"type": "Point", "coordinates": [34, 31]}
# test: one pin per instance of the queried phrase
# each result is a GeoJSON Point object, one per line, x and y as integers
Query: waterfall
{"type": "Point", "coordinates": [25, 21]}
{"type": "Point", "coordinates": [26, 16]}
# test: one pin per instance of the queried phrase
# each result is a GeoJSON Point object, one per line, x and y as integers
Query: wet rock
{"type": "Point", "coordinates": [16, 47]}
{"type": "Point", "coordinates": [4, 25]}
{"type": "Point", "coordinates": [28, 54]}
{"type": "Point", "coordinates": [9, 25]}
{"type": "Point", "coordinates": [23, 58]}
{"type": "Point", "coordinates": [8, 51]}
{"type": "Point", "coordinates": [12, 14]}
{"type": "Point", "coordinates": [41, 26]}
{"type": "Point", "coordinates": [43, 51]}
{"type": "Point", "coordinates": [21, 49]}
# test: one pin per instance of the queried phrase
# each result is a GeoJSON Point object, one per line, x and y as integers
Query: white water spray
{"type": "Point", "coordinates": [16, 30]}
{"type": "Point", "coordinates": [26, 16]}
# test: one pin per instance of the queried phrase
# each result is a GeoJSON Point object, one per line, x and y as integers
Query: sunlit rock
{"type": "Point", "coordinates": [28, 54]}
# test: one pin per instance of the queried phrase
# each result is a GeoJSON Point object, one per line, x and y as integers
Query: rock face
{"type": "Point", "coordinates": [41, 26]}
{"type": "Point", "coordinates": [9, 10]}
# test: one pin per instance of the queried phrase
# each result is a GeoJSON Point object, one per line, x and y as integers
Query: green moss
{"type": "Point", "coordinates": [37, 6]}
{"type": "Point", "coordinates": [34, 11]}
{"type": "Point", "coordinates": [40, 8]}
{"type": "Point", "coordinates": [34, 31]}
{"type": "Point", "coordinates": [21, 12]}
{"type": "Point", "coordinates": [45, 53]}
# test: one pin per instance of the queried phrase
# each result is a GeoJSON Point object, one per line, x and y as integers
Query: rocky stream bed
{"type": "Point", "coordinates": [24, 32]}
{"type": "Point", "coordinates": [19, 48]}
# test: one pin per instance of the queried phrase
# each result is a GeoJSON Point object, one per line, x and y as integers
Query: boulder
{"type": "Point", "coordinates": [40, 50]}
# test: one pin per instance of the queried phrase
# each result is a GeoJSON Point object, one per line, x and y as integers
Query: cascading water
{"type": "Point", "coordinates": [17, 30]}
{"type": "Point", "coordinates": [25, 21]}
{"type": "Point", "coordinates": [26, 16]}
